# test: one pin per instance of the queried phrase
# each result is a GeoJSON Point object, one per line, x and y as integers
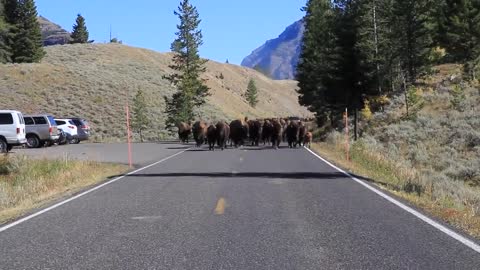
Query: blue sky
{"type": "Point", "coordinates": [231, 28]}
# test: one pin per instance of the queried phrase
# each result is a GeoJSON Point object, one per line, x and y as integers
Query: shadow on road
{"type": "Point", "coordinates": [297, 175]}
{"type": "Point", "coordinates": [179, 147]}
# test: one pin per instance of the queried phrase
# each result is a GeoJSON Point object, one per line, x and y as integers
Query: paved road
{"type": "Point", "coordinates": [237, 209]}
{"type": "Point", "coordinates": [143, 153]}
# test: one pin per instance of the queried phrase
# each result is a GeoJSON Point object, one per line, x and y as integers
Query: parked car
{"type": "Point", "coordinates": [83, 128]}
{"type": "Point", "coordinates": [12, 130]}
{"type": "Point", "coordinates": [40, 130]}
{"type": "Point", "coordinates": [62, 139]}
{"type": "Point", "coordinates": [70, 129]}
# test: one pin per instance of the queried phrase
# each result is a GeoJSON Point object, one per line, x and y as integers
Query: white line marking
{"type": "Point", "coordinates": [469, 243]}
{"type": "Point", "coordinates": [147, 218]}
{"type": "Point", "coordinates": [8, 226]}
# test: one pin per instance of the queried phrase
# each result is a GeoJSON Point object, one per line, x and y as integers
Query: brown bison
{"type": "Point", "coordinates": [184, 131]}
{"type": "Point", "coordinates": [238, 132]}
{"type": "Point", "coordinates": [292, 134]}
{"type": "Point", "coordinates": [267, 131]}
{"type": "Point", "coordinates": [255, 131]}
{"type": "Point", "coordinates": [276, 133]}
{"type": "Point", "coordinates": [223, 133]}
{"type": "Point", "coordinates": [284, 122]}
{"type": "Point", "coordinates": [302, 131]}
{"type": "Point", "coordinates": [308, 139]}
{"type": "Point", "coordinates": [200, 132]}
{"type": "Point", "coordinates": [211, 137]}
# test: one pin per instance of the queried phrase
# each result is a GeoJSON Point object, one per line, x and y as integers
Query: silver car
{"type": "Point", "coordinates": [40, 129]}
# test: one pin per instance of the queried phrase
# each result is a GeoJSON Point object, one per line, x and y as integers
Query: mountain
{"type": "Point", "coordinates": [52, 33]}
{"type": "Point", "coordinates": [278, 57]}
{"type": "Point", "coordinates": [94, 81]}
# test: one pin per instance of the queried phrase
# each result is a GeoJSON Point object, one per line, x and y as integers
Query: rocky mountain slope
{"type": "Point", "coordinates": [279, 57]}
{"type": "Point", "coordinates": [52, 33]}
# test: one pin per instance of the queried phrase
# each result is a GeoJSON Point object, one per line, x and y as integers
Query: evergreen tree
{"type": "Point", "coordinates": [80, 32]}
{"type": "Point", "coordinates": [252, 93]}
{"type": "Point", "coordinates": [413, 35]}
{"type": "Point", "coordinates": [140, 119]}
{"type": "Point", "coordinates": [373, 45]}
{"type": "Point", "coordinates": [5, 50]}
{"type": "Point", "coordinates": [460, 29]}
{"type": "Point", "coordinates": [188, 66]}
{"type": "Point", "coordinates": [26, 37]}
{"type": "Point", "coordinates": [315, 70]}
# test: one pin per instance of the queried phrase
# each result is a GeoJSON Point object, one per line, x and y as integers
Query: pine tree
{"type": "Point", "coordinates": [413, 36]}
{"type": "Point", "coordinates": [140, 119]}
{"type": "Point", "coordinates": [80, 32]}
{"type": "Point", "coordinates": [315, 71]}
{"type": "Point", "coordinates": [188, 66]}
{"type": "Point", "coordinates": [460, 28]}
{"type": "Point", "coordinates": [26, 36]}
{"type": "Point", "coordinates": [373, 45]}
{"type": "Point", "coordinates": [5, 50]}
{"type": "Point", "coordinates": [252, 93]}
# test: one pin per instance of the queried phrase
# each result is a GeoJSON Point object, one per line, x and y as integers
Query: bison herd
{"type": "Point", "coordinates": [239, 132]}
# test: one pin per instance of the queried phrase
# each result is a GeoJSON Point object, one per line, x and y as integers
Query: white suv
{"type": "Point", "coordinates": [70, 129]}
{"type": "Point", "coordinates": [12, 130]}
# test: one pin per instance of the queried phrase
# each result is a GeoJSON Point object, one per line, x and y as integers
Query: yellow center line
{"type": "Point", "coordinates": [221, 204]}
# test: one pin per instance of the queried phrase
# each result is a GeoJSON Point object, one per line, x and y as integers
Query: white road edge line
{"type": "Point", "coordinates": [15, 223]}
{"type": "Point", "coordinates": [469, 243]}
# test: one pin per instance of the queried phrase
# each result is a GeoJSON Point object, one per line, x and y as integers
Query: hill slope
{"type": "Point", "coordinates": [279, 57]}
{"type": "Point", "coordinates": [93, 81]}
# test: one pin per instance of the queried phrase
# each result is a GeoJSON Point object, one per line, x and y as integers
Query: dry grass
{"type": "Point", "coordinates": [27, 184]}
{"type": "Point", "coordinates": [94, 81]}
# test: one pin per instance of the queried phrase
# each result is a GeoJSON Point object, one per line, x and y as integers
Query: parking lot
{"type": "Point", "coordinates": [143, 153]}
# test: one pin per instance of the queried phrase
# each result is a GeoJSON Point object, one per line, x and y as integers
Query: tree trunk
{"type": "Point", "coordinates": [141, 136]}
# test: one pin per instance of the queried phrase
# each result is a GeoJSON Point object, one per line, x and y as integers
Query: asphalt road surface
{"type": "Point", "coordinates": [236, 209]}
{"type": "Point", "coordinates": [143, 153]}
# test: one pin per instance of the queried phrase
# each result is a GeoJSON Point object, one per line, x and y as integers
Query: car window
{"type": "Point", "coordinates": [20, 116]}
{"type": "Point", "coordinates": [6, 119]}
{"type": "Point", "coordinates": [60, 123]}
{"type": "Point", "coordinates": [77, 122]}
{"type": "Point", "coordinates": [52, 120]}
{"type": "Point", "coordinates": [71, 122]}
{"type": "Point", "coordinates": [28, 121]}
{"type": "Point", "coordinates": [40, 120]}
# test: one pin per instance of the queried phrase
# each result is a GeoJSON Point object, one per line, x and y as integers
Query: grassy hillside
{"type": "Point", "coordinates": [94, 81]}
{"type": "Point", "coordinates": [431, 157]}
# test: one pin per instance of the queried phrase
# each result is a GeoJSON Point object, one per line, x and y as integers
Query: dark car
{"type": "Point", "coordinates": [83, 128]}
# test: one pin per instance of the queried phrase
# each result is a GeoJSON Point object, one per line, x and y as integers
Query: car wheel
{"type": "Point", "coordinates": [74, 141]}
{"type": "Point", "coordinates": [33, 141]}
{"type": "Point", "coordinates": [3, 146]}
